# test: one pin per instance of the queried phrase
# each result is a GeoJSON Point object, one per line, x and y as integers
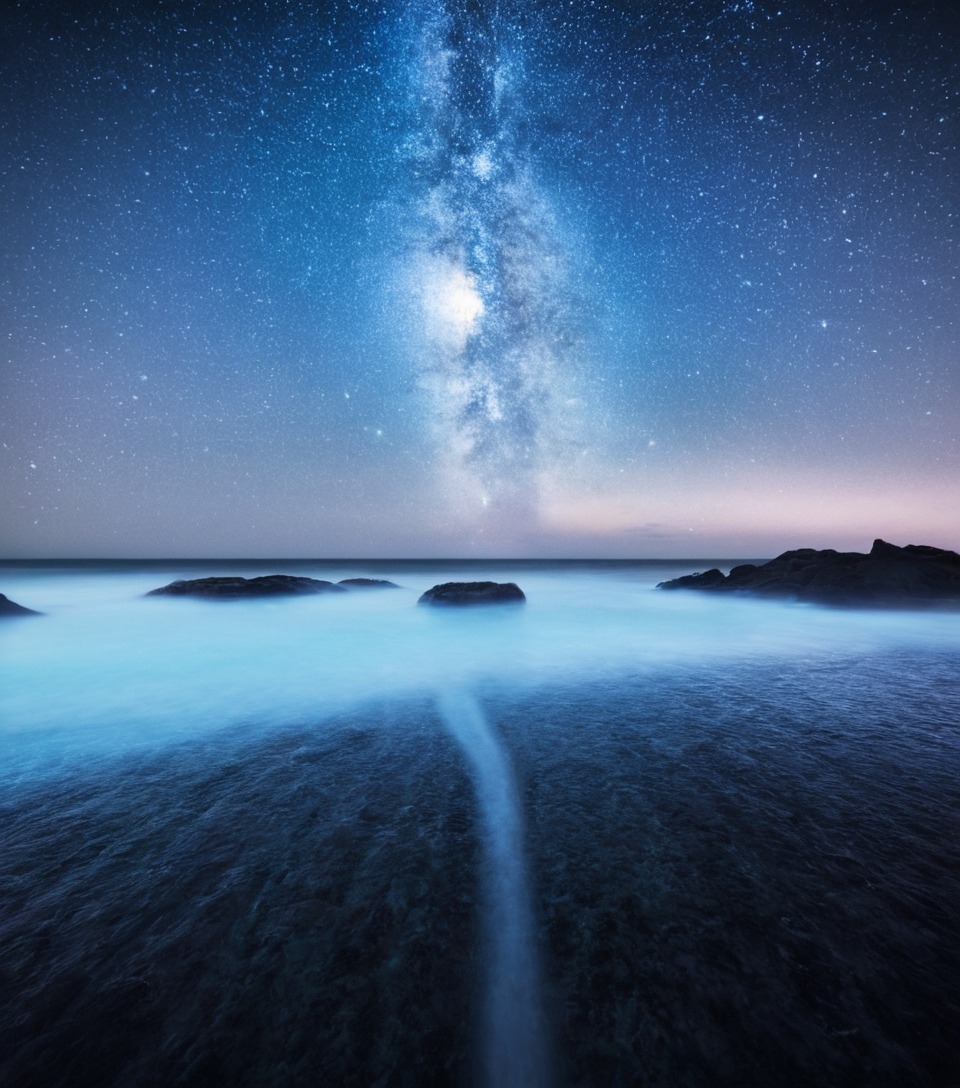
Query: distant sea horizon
{"type": "Point", "coordinates": [339, 559]}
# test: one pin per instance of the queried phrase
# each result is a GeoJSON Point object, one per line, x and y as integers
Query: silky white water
{"type": "Point", "coordinates": [514, 1047]}
{"type": "Point", "coordinates": [107, 667]}
{"type": "Point", "coordinates": [614, 835]}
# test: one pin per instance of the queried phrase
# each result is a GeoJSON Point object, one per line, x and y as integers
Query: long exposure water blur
{"type": "Point", "coordinates": [612, 837]}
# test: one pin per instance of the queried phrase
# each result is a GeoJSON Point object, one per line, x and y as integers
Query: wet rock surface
{"type": "Point", "coordinates": [367, 583]}
{"type": "Point", "coordinates": [234, 588]}
{"type": "Point", "coordinates": [473, 593]}
{"type": "Point", "coordinates": [887, 575]}
{"type": "Point", "coordinates": [11, 608]}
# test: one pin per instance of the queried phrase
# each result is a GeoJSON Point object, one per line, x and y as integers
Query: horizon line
{"type": "Point", "coordinates": [376, 559]}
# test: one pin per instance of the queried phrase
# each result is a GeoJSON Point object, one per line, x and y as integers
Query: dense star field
{"type": "Point", "coordinates": [433, 278]}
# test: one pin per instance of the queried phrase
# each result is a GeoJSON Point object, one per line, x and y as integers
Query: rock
{"type": "Point", "coordinates": [707, 580]}
{"type": "Point", "coordinates": [741, 572]}
{"type": "Point", "coordinates": [467, 593]}
{"type": "Point", "coordinates": [888, 575]}
{"type": "Point", "coordinates": [11, 608]}
{"type": "Point", "coordinates": [367, 583]}
{"type": "Point", "coordinates": [269, 585]}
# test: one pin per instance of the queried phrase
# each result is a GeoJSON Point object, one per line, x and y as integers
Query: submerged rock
{"type": "Point", "coordinates": [466, 593]}
{"type": "Point", "coordinates": [11, 608]}
{"type": "Point", "coordinates": [233, 588]}
{"type": "Point", "coordinates": [367, 583]}
{"type": "Point", "coordinates": [887, 575]}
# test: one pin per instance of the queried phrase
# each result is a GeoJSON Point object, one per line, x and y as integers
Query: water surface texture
{"type": "Point", "coordinates": [613, 837]}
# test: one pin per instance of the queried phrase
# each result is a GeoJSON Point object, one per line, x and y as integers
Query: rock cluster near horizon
{"type": "Point", "coordinates": [267, 585]}
{"type": "Point", "coordinates": [286, 585]}
{"type": "Point", "coordinates": [231, 588]}
{"type": "Point", "coordinates": [472, 593]}
{"type": "Point", "coordinates": [888, 574]}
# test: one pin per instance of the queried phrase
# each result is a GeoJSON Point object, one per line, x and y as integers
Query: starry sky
{"type": "Point", "coordinates": [477, 278]}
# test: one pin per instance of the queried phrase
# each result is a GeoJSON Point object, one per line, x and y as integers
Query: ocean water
{"type": "Point", "coordinates": [614, 837]}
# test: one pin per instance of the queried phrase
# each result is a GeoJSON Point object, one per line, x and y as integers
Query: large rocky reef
{"type": "Point", "coordinates": [887, 575]}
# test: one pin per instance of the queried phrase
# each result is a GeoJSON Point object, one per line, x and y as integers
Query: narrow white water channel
{"type": "Point", "coordinates": [514, 1048]}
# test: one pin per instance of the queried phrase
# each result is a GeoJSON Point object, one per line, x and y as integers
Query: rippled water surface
{"type": "Point", "coordinates": [614, 837]}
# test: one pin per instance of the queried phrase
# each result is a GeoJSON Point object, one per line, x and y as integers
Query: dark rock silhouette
{"type": "Point", "coordinates": [367, 583]}
{"type": "Point", "coordinates": [233, 588]}
{"type": "Point", "coordinates": [472, 593]}
{"type": "Point", "coordinates": [887, 575]}
{"type": "Point", "coordinates": [709, 579]}
{"type": "Point", "coordinates": [11, 608]}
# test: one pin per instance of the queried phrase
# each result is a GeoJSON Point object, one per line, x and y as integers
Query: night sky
{"type": "Point", "coordinates": [476, 278]}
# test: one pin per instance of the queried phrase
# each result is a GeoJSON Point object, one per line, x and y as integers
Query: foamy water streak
{"type": "Point", "coordinates": [514, 1046]}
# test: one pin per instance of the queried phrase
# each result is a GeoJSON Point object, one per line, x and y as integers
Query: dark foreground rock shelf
{"type": "Point", "coordinates": [887, 575]}
{"type": "Point", "coordinates": [231, 588]}
{"type": "Point", "coordinates": [468, 593]}
{"type": "Point", "coordinates": [11, 608]}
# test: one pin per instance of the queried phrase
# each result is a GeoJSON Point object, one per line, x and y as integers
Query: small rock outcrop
{"type": "Point", "coordinates": [11, 608]}
{"type": "Point", "coordinates": [367, 583]}
{"type": "Point", "coordinates": [232, 588]}
{"type": "Point", "coordinates": [473, 593]}
{"type": "Point", "coordinates": [887, 575]}
{"type": "Point", "coordinates": [708, 579]}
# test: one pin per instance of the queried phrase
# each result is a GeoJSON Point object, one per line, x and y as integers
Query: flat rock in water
{"type": "Point", "coordinates": [231, 588]}
{"type": "Point", "coordinates": [467, 593]}
{"type": "Point", "coordinates": [11, 608]}
{"type": "Point", "coordinates": [887, 575]}
{"type": "Point", "coordinates": [367, 583]}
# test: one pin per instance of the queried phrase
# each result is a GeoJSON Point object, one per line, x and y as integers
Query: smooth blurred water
{"type": "Point", "coordinates": [515, 1053]}
{"type": "Point", "coordinates": [242, 842]}
{"type": "Point", "coordinates": [109, 668]}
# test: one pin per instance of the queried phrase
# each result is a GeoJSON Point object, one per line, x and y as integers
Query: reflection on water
{"type": "Point", "coordinates": [243, 842]}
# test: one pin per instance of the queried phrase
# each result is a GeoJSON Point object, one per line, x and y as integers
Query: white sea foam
{"type": "Point", "coordinates": [107, 666]}
{"type": "Point", "coordinates": [514, 1047]}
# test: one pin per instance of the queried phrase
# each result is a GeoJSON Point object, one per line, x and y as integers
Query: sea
{"type": "Point", "coordinates": [615, 836]}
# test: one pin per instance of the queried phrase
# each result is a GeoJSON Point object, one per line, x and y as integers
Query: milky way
{"type": "Point", "coordinates": [440, 277]}
{"type": "Point", "coordinates": [488, 269]}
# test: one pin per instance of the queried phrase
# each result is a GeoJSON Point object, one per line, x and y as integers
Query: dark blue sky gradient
{"type": "Point", "coordinates": [585, 279]}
